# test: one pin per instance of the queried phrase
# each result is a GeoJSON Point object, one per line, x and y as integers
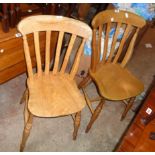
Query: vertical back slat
{"type": "Point", "coordinates": [95, 52]}
{"type": "Point", "coordinates": [127, 30]}
{"type": "Point", "coordinates": [130, 49]}
{"type": "Point", "coordinates": [114, 42]}
{"type": "Point", "coordinates": [99, 42]}
{"type": "Point", "coordinates": [37, 52]}
{"type": "Point", "coordinates": [27, 57]}
{"type": "Point", "coordinates": [77, 59]}
{"type": "Point", "coordinates": [47, 56]}
{"type": "Point", "coordinates": [68, 52]}
{"type": "Point", "coordinates": [106, 42]}
{"type": "Point", "coordinates": [57, 57]}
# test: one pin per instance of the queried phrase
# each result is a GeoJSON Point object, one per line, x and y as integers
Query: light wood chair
{"type": "Point", "coordinates": [113, 80]}
{"type": "Point", "coordinates": [52, 91]}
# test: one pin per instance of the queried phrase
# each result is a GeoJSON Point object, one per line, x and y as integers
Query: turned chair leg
{"type": "Point", "coordinates": [76, 124]}
{"type": "Point", "coordinates": [24, 97]}
{"type": "Point", "coordinates": [127, 108]}
{"type": "Point", "coordinates": [95, 115]}
{"type": "Point", "coordinates": [26, 132]}
{"type": "Point", "coordinates": [26, 112]}
{"type": "Point", "coordinates": [84, 82]}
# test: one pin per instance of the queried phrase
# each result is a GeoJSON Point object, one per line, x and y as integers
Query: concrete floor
{"type": "Point", "coordinates": [55, 134]}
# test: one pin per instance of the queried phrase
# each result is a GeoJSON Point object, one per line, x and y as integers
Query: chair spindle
{"type": "Point", "coordinates": [57, 57]}
{"type": "Point", "coordinates": [37, 52]}
{"type": "Point", "coordinates": [47, 56]}
{"type": "Point", "coordinates": [77, 59]}
{"type": "Point", "coordinates": [126, 33]}
{"type": "Point", "coordinates": [106, 42]}
{"type": "Point", "coordinates": [114, 42]}
{"type": "Point", "coordinates": [68, 52]}
{"type": "Point", "coordinates": [27, 57]}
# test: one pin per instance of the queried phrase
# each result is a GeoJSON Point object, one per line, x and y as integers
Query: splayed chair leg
{"type": "Point", "coordinates": [95, 115]}
{"type": "Point", "coordinates": [128, 107]}
{"type": "Point", "coordinates": [26, 132]}
{"type": "Point", "coordinates": [76, 124]}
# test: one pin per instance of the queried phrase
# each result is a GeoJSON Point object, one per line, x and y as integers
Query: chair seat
{"type": "Point", "coordinates": [54, 95]}
{"type": "Point", "coordinates": [116, 83]}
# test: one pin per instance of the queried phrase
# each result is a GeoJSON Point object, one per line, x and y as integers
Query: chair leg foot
{"type": "Point", "coordinates": [76, 124]}
{"type": "Point", "coordinates": [26, 132]}
{"type": "Point", "coordinates": [95, 115]}
{"type": "Point", "coordinates": [24, 97]}
{"type": "Point", "coordinates": [84, 82]}
{"type": "Point", "coordinates": [128, 107]}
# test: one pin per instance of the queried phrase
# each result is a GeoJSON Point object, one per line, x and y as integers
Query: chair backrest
{"type": "Point", "coordinates": [48, 24]}
{"type": "Point", "coordinates": [117, 20]}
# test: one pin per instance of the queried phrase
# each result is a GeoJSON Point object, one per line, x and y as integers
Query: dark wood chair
{"type": "Point", "coordinates": [113, 80]}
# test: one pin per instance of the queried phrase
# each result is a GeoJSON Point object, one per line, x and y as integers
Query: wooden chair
{"type": "Point", "coordinates": [113, 80]}
{"type": "Point", "coordinates": [52, 91]}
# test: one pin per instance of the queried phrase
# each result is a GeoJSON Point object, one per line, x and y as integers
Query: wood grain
{"type": "Point", "coordinates": [53, 93]}
{"type": "Point", "coordinates": [136, 137]}
{"type": "Point", "coordinates": [13, 50]}
{"type": "Point", "coordinates": [114, 81]}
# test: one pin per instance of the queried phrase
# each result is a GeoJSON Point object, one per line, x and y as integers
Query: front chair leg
{"type": "Point", "coordinates": [95, 115]}
{"type": "Point", "coordinates": [76, 124]}
{"type": "Point", "coordinates": [26, 132]}
{"type": "Point", "coordinates": [26, 112]}
{"type": "Point", "coordinates": [127, 108]}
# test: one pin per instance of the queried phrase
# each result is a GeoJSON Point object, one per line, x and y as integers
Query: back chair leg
{"type": "Point", "coordinates": [26, 132]}
{"type": "Point", "coordinates": [95, 115]}
{"type": "Point", "coordinates": [24, 97]}
{"type": "Point", "coordinates": [76, 124]}
{"type": "Point", "coordinates": [84, 82]}
{"type": "Point", "coordinates": [127, 108]}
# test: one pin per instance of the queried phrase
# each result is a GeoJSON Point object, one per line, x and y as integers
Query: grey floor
{"type": "Point", "coordinates": [55, 134]}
